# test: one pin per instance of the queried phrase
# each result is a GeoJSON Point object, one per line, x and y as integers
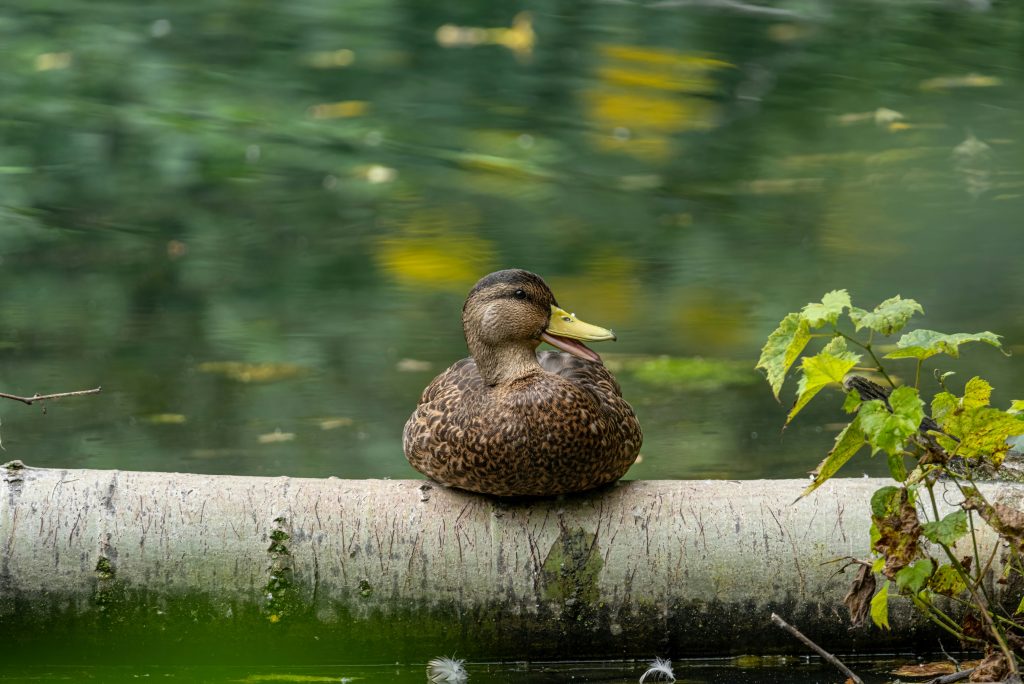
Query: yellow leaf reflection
{"type": "Point", "coordinates": [165, 419]}
{"type": "Point", "coordinates": [331, 59]}
{"type": "Point", "coordinates": [519, 38]}
{"type": "Point", "coordinates": [436, 248]}
{"type": "Point", "coordinates": [644, 95]}
{"type": "Point", "coordinates": [968, 81]}
{"type": "Point", "coordinates": [339, 110]}
{"type": "Point", "coordinates": [252, 372]}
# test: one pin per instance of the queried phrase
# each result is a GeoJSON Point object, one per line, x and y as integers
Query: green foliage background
{"type": "Point", "coordinates": [171, 196]}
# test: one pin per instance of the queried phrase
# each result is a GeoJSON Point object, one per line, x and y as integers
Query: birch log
{"type": "Point", "coordinates": [175, 565]}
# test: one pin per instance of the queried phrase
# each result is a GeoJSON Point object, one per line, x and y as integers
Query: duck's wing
{"type": "Point", "coordinates": [593, 377]}
{"type": "Point", "coordinates": [438, 421]}
{"type": "Point", "coordinates": [461, 379]}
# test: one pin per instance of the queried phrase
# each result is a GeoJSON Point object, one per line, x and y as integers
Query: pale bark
{"type": "Point", "coordinates": [674, 567]}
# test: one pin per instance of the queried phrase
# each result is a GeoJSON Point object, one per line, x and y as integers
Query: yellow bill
{"type": "Point", "coordinates": [564, 330]}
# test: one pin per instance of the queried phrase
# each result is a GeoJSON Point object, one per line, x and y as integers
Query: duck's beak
{"type": "Point", "coordinates": [565, 329]}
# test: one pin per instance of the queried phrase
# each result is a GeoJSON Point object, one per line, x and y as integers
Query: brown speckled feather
{"type": "Point", "coordinates": [563, 428]}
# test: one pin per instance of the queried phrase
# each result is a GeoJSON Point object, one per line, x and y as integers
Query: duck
{"type": "Point", "coordinates": [510, 421]}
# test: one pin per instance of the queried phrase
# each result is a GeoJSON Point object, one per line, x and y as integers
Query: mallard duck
{"type": "Point", "coordinates": [511, 422]}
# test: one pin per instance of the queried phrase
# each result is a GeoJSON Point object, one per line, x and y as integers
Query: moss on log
{"type": "Point", "coordinates": [365, 570]}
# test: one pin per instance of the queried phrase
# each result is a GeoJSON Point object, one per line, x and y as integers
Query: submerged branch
{"type": "Point", "coordinates": [818, 649]}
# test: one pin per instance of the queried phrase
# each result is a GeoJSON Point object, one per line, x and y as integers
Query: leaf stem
{"type": "Point", "coordinates": [867, 348]}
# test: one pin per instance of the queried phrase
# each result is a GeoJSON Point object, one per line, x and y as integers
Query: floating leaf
{"type": "Point", "coordinates": [165, 419]}
{"type": "Point", "coordinates": [947, 530]}
{"type": "Point", "coordinates": [888, 317]}
{"type": "Point", "coordinates": [913, 577]}
{"type": "Point", "coordinates": [690, 373]}
{"type": "Point", "coordinates": [939, 667]}
{"type": "Point", "coordinates": [819, 371]}
{"type": "Point", "coordinates": [889, 430]}
{"type": "Point", "coordinates": [828, 311]}
{"type": "Point", "coordinates": [924, 344]}
{"type": "Point", "coordinates": [848, 442]}
{"type": "Point", "coordinates": [276, 436]}
{"type": "Point", "coordinates": [947, 581]}
{"type": "Point", "coordinates": [880, 607]}
{"type": "Point", "coordinates": [783, 347]}
{"type": "Point", "coordinates": [334, 423]}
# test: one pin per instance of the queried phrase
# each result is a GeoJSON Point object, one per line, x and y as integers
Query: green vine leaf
{"type": "Point", "coordinates": [852, 401]}
{"type": "Point", "coordinates": [889, 430]}
{"type": "Point", "coordinates": [819, 371]}
{"type": "Point", "coordinates": [848, 442]}
{"type": "Point", "coordinates": [948, 530]}
{"type": "Point", "coordinates": [880, 607]}
{"type": "Point", "coordinates": [828, 311]}
{"type": "Point", "coordinates": [783, 347]}
{"type": "Point", "coordinates": [888, 317]}
{"type": "Point", "coordinates": [924, 344]}
{"type": "Point", "coordinates": [913, 577]}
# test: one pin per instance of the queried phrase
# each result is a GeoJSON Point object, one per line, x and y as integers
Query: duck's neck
{"type": "Point", "coordinates": [504, 364]}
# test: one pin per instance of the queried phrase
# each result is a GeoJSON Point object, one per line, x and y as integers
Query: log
{"type": "Point", "coordinates": [252, 568]}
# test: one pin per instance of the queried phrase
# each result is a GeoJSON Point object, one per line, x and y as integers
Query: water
{"type": "Point", "coordinates": [254, 223]}
{"type": "Point", "coordinates": [721, 671]}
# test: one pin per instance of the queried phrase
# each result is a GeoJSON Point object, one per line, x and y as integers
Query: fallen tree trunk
{"type": "Point", "coordinates": [375, 570]}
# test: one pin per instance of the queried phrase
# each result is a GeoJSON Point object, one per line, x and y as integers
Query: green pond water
{"type": "Point", "coordinates": [254, 223]}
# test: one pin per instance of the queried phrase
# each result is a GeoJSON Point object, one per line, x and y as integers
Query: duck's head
{"type": "Point", "coordinates": [509, 313]}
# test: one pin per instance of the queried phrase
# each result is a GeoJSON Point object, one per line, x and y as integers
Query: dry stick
{"type": "Point", "coordinates": [950, 678]}
{"type": "Point", "coordinates": [42, 397]}
{"type": "Point", "coordinates": [820, 651]}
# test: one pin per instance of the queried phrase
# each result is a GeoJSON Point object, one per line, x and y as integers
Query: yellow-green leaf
{"type": "Point", "coordinates": [848, 442]}
{"type": "Point", "coordinates": [888, 317]}
{"type": "Point", "coordinates": [947, 581]}
{"type": "Point", "coordinates": [828, 311]}
{"type": "Point", "coordinates": [819, 371]}
{"type": "Point", "coordinates": [880, 607]}
{"type": "Point", "coordinates": [1016, 406]}
{"type": "Point", "coordinates": [783, 347]}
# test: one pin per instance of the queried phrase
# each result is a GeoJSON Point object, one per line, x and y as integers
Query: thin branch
{"type": "Point", "coordinates": [779, 622]}
{"type": "Point", "coordinates": [43, 397]}
{"type": "Point", "coordinates": [950, 678]}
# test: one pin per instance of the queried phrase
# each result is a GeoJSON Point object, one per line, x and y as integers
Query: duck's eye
{"type": "Point", "coordinates": [519, 294]}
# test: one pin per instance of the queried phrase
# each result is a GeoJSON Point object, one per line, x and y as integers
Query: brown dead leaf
{"type": "Point", "coordinates": [898, 537]}
{"type": "Point", "coordinates": [858, 599]}
{"type": "Point", "coordinates": [992, 669]}
{"type": "Point", "coordinates": [939, 667]}
{"type": "Point", "coordinates": [1006, 520]}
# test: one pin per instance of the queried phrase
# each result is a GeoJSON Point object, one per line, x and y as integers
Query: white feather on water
{"type": "Point", "coordinates": [659, 668]}
{"type": "Point", "coordinates": [446, 671]}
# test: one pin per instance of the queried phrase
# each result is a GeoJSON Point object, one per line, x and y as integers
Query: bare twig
{"type": "Point", "coordinates": [950, 678]}
{"type": "Point", "coordinates": [779, 622]}
{"type": "Point", "coordinates": [43, 397]}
